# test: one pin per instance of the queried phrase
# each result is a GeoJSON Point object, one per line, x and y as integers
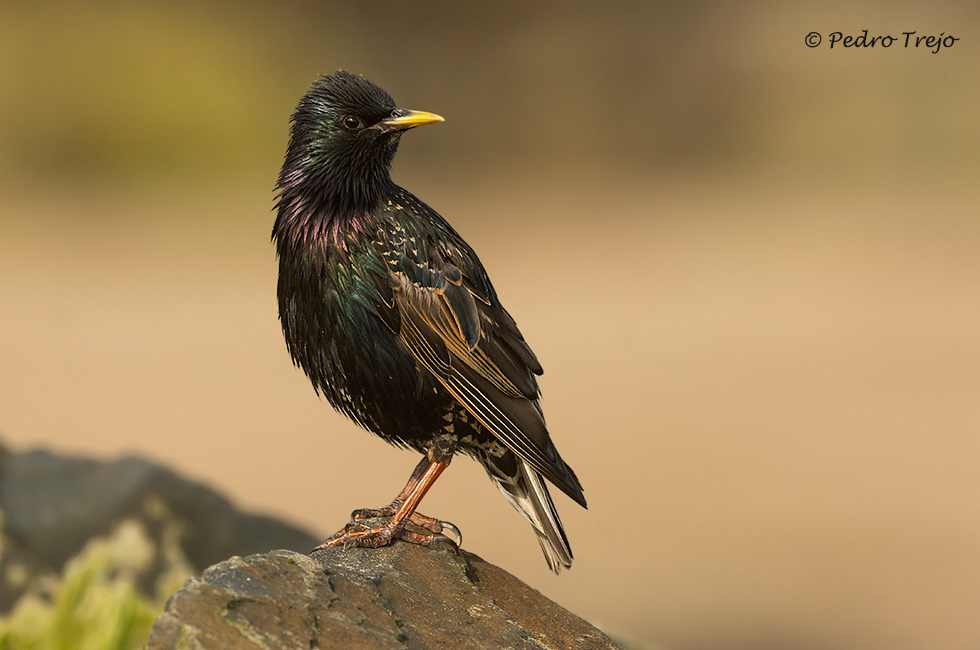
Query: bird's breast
{"type": "Point", "coordinates": [329, 308]}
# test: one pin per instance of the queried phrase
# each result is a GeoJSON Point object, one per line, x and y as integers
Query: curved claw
{"type": "Point", "coordinates": [454, 534]}
{"type": "Point", "coordinates": [439, 537]}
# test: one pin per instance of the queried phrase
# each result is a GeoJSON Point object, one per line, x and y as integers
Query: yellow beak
{"type": "Point", "coordinates": [402, 118]}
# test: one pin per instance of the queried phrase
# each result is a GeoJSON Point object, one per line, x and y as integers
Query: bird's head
{"type": "Point", "coordinates": [345, 132]}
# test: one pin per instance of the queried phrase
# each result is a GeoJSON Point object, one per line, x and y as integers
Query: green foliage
{"type": "Point", "coordinates": [98, 603]}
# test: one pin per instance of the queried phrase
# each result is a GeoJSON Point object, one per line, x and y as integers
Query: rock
{"type": "Point", "coordinates": [82, 539]}
{"type": "Point", "coordinates": [53, 505]}
{"type": "Point", "coordinates": [400, 596]}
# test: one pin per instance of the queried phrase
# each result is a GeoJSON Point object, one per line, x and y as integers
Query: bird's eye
{"type": "Point", "coordinates": [352, 123]}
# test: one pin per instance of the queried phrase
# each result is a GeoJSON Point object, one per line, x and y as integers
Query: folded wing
{"type": "Point", "coordinates": [473, 347]}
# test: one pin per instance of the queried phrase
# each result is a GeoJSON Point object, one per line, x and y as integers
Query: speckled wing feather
{"type": "Point", "coordinates": [474, 349]}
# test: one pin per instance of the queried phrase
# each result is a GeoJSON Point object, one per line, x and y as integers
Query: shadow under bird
{"type": "Point", "coordinates": [394, 319]}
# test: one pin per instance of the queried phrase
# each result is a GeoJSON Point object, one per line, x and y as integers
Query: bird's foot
{"type": "Point", "coordinates": [431, 524]}
{"type": "Point", "coordinates": [358, 535]}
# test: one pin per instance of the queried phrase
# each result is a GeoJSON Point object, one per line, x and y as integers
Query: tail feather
{"type": "Point", "coordinates": [526, 491]}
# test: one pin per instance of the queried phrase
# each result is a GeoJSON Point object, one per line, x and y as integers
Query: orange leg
{"type": "Point", "coordinates": [401, 510]}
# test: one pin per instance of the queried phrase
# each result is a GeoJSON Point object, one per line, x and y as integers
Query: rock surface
{"type": "Point", "coordinates": [397, 597]}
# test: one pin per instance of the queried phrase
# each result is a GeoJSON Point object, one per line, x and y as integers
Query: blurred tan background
{"type": "Point", "coordinates": [750, 269]}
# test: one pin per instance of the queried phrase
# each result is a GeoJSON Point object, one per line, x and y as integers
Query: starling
{"type": "Point", "coordinates": [393, 318]}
